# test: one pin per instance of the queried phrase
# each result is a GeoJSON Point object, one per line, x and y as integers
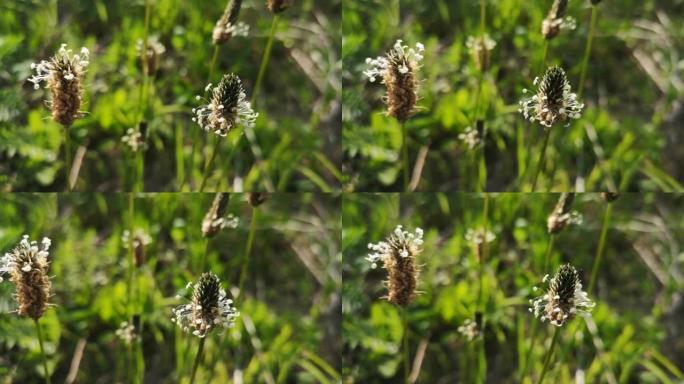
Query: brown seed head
{"type": "Point", "coordinates": [27, 266]}
{"type": "Point", "coordinates": [227, 24]}
{"type": "Point", "coordinates": [277, 6]}
{"type": "Point", "coordinates": [554, 20]}
{"type": "Point", "coordinates": [609, 197]}
{"type": "Point", "coordinates": [213, 221]}
{"type": "Point", "coordinates": [257, 198]}
{"type": "Point", "coordinates": [561, 215]}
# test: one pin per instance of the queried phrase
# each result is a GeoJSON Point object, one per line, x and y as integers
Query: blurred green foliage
{"type": "Point", "coordinates": [288, 330]}
{"type": "Point", "coordinates": [629, 136]}
{"type": "Point", "coordinates": [298, 103]}
{"type": "Point", "coordinates": [634, 334]}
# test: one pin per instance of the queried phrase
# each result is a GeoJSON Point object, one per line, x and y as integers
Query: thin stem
{"type": "Point", "coordinates": [587, 49]}
{"type": "Point", "coordinates": [264, 61]}
{"type": "Point", "coordinates": [404, 315]}
{"type": "Point", "coordinates": [541, 158]}
{"type": "Point", "coordinates": [549, 353]}
{"type": "Point", "coordinates": [139, 165]}
{"type": "Point", "coordinates": [601, 246]}
{"type": "Point", "coordinates": [404, 155]}
{"type": "Point", "coordinates": [214, 59]}
{"type": "Point", "coordinates": [547, 257]}
{"type": "Point", "coordinates": [545, 53]}
{"type": "Point", "coordinates": [42, 350]}
{"type": "Point", "coordinates": [67, 157]}
{"type": "Point", "coordinates": [245, 258]}
{"type": "Point", "coordinates": [203, 263]}
{"type": "Point", "coordinates": [198, 358]}
{"type": "Point", "coordinates": [130, 275]}
{"type": "Point", "coordinates": [483, 253]}
{"type": "Point", "coordinates": [210, 163]}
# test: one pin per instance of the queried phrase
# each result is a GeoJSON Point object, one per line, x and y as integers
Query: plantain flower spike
{"type": "Point", "coordinates": [556, 20]}
{"type": "Point", "coordinates": [63, 75]}
{"type": "Point", "coordinates": [398, 255]}
{"type": "Point", "coordinates": [554, 101]}
{"type": "Point", "coordinates": [216, 219]}
{"type": "Point", "coordinates": [397, 69]}
{"type": "Point", "coordinates": [278, 6]}
{"type": "Point", "coordinates": [27, 267]}
{"type": "Point", "coordinates": [228, 26]}
{"type": "Point", "coordinates": [564, 298]}
{"type": "Point", "coordinates": [227, 108]}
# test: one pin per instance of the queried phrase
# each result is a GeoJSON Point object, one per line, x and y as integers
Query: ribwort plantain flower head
{"type": "Point", "coordinates": [398, 254]}
{"type": "Point", "coordinates": [556, 20]}
{"type": "Point", "coordinates": [216, 219]}
{"type": "Point", "coordinates": [397, 69]}
{"type": "Point", "coordinates": [480, 48]}
{"type": "Point", "coordinates": [228, 26]}
{"type": "Point", "coordinates": [554, 101]}
{"type": "Point", "coordinates": [564, 298]}
{"type": "Point", "coordinates": [63, 75]}
{"type": "Point", "coordinates": [469, 329]}
{"type": "Point", "coordinates": [155, 50]}
{"type": "Point", "coordinates": [277, 6]}
{"type": "Point", "coordinates": [134, 139]}
{"type": "Point", "coordinates": [255, 199]}
{"type": "Point", "coordinates": [471, 137]}
{"type": "Point", "coordinates": [126, 332]}
{"type": "Point", "coordinates": [227, 108]}
{"type": "Point", "coordinates": [27, 267]}
{"type": "Point", "coordinates": [562, 216]}
{"type": "Point", "coordinates": [209, 308]}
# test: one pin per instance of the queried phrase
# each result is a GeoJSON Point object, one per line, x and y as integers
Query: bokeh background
{"type": "Point", "coordinates": [629, 137]}
{"type": "Point", "coordinates": [299, 101]}
{"type": "Point", "coordinates": [289, 328]}
{"type": "Point", "coordinates": [635, 333]}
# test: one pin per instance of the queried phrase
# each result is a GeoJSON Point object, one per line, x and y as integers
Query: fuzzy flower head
{"type": "Point", "coordinates": [216, 219]}
{"type": "Point", "coordinates": [480, 48]}
{"type": "Point", "coordinates": [562, 216]}
{"type": "Point", "coordinates": [397, 69]}
{"type": "Point", "coordinates": [138, 241]}
{"type": "Point", "coordinates": [27, 267]}
{"type": "Point", "coordinates": [126, 332]}
{"type": "Point", "coordinates": [564, 298]}
{"type": "Point", "coordinates": [155, 50]}
{"type": "Point", "coordinates": [134, 139]}
{"type": "Point", "coordinates": [228, 26]}
{"type": "Point", "coordinates": [63, 75]}
{"type": "Point", "coordinates": [209, 308]}
{"type": "Point", "coordinates": [226, 109]}
{"type": "Point", "coordinates": [398, 255]}
{"type": "Point", "coordinates": [469, 329]}
{"type": "Point", "coordinates": [471, 137]}
{"type": "Point", "coordinates": [479, 236]}
{"type": "Point", "coordinates": [556, 20]}
{"type": "Point", "coordinates": [255, 199]}
{"type": "Point", "coordinates": [554, 102]}
{"type": "Point", "coordinates": [277, 6]}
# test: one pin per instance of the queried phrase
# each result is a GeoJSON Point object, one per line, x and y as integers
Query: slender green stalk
{"type": "Point", "coordinates": [198, 358]}
{"type": "Point", "coordinates": [264, 61]}
{"type": "Point", "coordinates": [545, 54]}
{"type": "Point", "coordinates": [67, 158]}
{"type": "Point", "coordinates": [42, 350]}
{"type": "Point", "coordinates": [203, 263]}
{"type": "Point", "coordinates": [601, 246]}
{"type": "Point", "coordinates": [180, 159]}
{"type": "Point", "coordinates": [404, 155]}
{"type": "Point", "coordinates": [245, 258]}
{"type": "Point", "coordinates": [587, 49]}
{"type": "Point", "coordinates": [404, 315]}
{"type": "Point", "coordinates": [547, 257]}
{"type": "Point", "coordinates": [542, 154]}
{"type": "Point", "coordinates": [483, 254]}
{"type": "Point", "coordinates": [210, 163]}
{"type": "Point", "coordinates": [130, 278]}
{"type": "Point", "coordinates": [549, 353]}
{"type": "Point", "coordinates": [214, 59]}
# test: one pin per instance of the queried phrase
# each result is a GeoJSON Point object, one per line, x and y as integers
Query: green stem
{"type": "Point", "coordinates": [483, 254]}
{"type": "Point", "coordinates": [547, 257]}
{"type": "Point", "coordinates": [210, 163]}
{"type": "Point", "coordinates": [540, 164]}
{"type": "Point", "coordinates": [198, 358]}
{"type": "Point", "coordinates": [264, 61]}
{"type": "Point", "coordinates": [601, 246]}
{"type": "Point", "coordinates": [203, 263]}
{"type": "Point", "coordinates": [545, 53]}
{"type": "Point", "coordinates": [67, 157]}
{"type": "Point", "coordinates": [587, 49]}
{"type": "Point", "coordinates": [245, 258]}
{"type": "Point", "coordinates": [139, 165]}
{"type": "Point", "coordinates": [404, 315]}
{"type": "Point", "coordinates": [42, 350]}
{"type": "Point", "coordinates": [214, 59]}
{"type": "Point", "coordinates": [404, 155]}
{"type": "Point", "coordinates": [549, 353]}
